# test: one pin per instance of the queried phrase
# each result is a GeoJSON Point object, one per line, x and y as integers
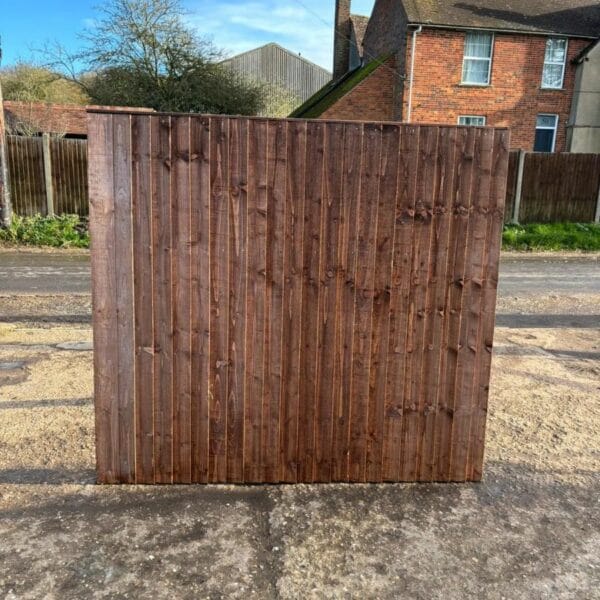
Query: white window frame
{"type": "Point", "coordinates": [547, 62]}
{"type": "Point", "coordinates": [472, 117]}
{"type": "Point", "coordinates": [490, 59]}
{"type": "Point", "coordinates": [555, 128]}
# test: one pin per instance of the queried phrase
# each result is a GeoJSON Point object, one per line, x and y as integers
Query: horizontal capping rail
{"type": "Point", "coordinates": [267, 119]}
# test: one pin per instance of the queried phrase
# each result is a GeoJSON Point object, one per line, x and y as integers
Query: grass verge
{"type": "Point", "coordinates": [65, 231]}
{"type": "Point", "coordinates": [552, 236]}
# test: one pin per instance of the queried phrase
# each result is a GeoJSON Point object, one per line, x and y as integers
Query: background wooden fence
{"type": "Point", "coordinates": [283, 301]}
{"type": "Point", "coordinates": [48, 175]}
{"type": "Point", "coordinates": [554, 188]}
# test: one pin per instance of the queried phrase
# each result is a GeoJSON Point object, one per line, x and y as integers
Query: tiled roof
{"type": "Point", "coordinates": [564, 17]}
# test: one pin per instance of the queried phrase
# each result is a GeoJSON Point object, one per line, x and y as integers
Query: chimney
{"type": "Point", "coordinates": [341, 41]}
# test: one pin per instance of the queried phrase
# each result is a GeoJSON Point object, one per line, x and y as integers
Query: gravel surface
{"type": "Point", "coordinates": [530, 530]}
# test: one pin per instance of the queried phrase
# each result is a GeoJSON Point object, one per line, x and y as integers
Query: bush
{"type": "Point", "coordinates": [66, 231]}
{"type": "Point", "coordinates": [552, 236]}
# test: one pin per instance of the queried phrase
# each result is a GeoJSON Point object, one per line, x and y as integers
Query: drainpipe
{"type": "Point", "coordinates": [413, 52]}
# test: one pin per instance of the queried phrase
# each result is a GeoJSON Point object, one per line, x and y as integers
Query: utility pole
{"type": "Point", "coordinates": [5, 203]}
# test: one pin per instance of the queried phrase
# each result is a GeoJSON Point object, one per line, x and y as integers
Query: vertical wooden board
{"type": "Point", "coordinates": [482, 222]}
{"type": "Point", "coordinates": [471, 319]}
{"type": "Point", "coordinates": [363, 300]}
{"type": "Point", "coordinates": [124, 296]}
{"type": "Point", "coordinates": [143, 267]}
{"type": "Point", "coordinates": [328, 364]}
{"type": "Point", "coordinates": [182, 349]}
{"type": "Point", "coordinates": [255, 298]}
{"type": "Point", "coordinates": [494, 242]}
{"type": "Point", "coordinates": [400, 302]}
{"type": "Point", "coordinates": [388, 188]}
{"type": "Point", "coordinates": [310, 299]}
{"type": "Point", "coordinates": [200, 294]}
{"type": "Point", "coordinates": [238, 252]}
{"type": "Point", "coordinates": [162, 300]}
{"type": "Point", "coordinates": [352, 163]}
{"type": "Point", "coordinates": [102, 231]}
{"type": "Point", "coordinates": [219, 299]}
{"type": "Point", "coordinates": [414, 422]}
{"type": "Point", "coordinates": [276, 190]}
{"type": "Point", "coordinates": [292, 300]}
{"type": "Point", "coordinates": [434, 348]}
{"type": "Point", "coordinates": [447, 397]}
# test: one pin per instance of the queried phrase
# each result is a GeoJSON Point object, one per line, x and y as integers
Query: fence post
{"type": "Point", "coordinates": [5, 203]}
{"type": "Point", "coordinates": [48, 174]}
{"type": "Point", "coordinates": [519, 190]}
{"type": "Point", "coordinates": [597, 217]}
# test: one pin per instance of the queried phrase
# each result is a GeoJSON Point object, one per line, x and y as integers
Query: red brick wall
{"type": "Point", "coordinates": [514, 98]}
{"type": "Point", "coordinates": [68, 119]}
{"type": "Point", "coordinates": [371, 100]}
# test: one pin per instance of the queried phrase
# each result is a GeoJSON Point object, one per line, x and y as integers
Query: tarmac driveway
{"type": "Point", "coordinates": [531, 529]}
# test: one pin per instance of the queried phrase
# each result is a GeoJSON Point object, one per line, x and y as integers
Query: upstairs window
{"type": "Point", "coordinates": [554, 63]}
{"type": "Point", "coordinates": [545, 133]}
{"type": "Point", "coordinates": [471, 120]}
{"type": "Point", "coordinates": [477, 62]}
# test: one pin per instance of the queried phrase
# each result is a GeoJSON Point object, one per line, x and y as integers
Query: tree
{"type": "Point", "coordinates": [142, 53]}
{"type": "Point", "coordinates": [26, 82]}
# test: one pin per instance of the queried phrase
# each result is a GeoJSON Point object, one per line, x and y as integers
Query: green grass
{"type": "Point", "coordinates": [552, 236]}
{"type": "Point", "coordinates": [66, 231]}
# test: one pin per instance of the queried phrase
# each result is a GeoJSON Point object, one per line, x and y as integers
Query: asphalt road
{"type": "Point", "coordinates": [520, 276]}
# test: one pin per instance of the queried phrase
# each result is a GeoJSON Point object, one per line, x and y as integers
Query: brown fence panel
{"type": "Point", "coordinates": [284, 301]}
{"type": "Point", "coordinates": [68, 161]}
{"type": "Point", "coordinates": [26, 175]}
{"type": "Point", "coordinates": [69, 176]}
{"type": "Point", "coordinates": [560, 187]}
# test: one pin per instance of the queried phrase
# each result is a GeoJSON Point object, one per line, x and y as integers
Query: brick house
{"type": "Point", "coordinates": [450, 61]}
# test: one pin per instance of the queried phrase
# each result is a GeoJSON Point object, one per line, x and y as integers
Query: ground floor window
{"type": "Point", "coordinates": [545, 133]}
{"type": "Point", "coordinates": [472, 120]}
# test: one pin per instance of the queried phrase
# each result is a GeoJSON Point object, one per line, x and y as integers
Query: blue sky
{"type": "Point", "coordinates": [303, 26]}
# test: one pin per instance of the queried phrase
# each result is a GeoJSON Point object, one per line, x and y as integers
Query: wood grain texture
{"type": "Point", "coordinates": [104, 286]}
{"type": "Point", "coordinates": [182, 312]}
{"type": "Point", "coordinates": [200, 300]}
{"type": "Point", "coordinates": [292, 301]}
{"type": "Point", "coordinates": [124, 295]}
{"type": "Point", "coordinates": [143, 269]}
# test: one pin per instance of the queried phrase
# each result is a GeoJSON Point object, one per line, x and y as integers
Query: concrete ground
{"type": "Point", "coordinates": [530, 530]}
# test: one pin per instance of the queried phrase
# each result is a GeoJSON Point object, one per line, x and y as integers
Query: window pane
{"type": "Point", "coordinates": [553, 76]}
{"type": "Point", "coordinates": [473, 121]}
{"type": "Point", "coordinates": [476, 71]}
{"type": "Point", "coordinates": [478, 45]}
{"type": "Point", "coordinates": [555, 50]}
{"type": "Point", "coordinates": [543, 140]}
{"type": "Point", "coordinates": [546, 121]}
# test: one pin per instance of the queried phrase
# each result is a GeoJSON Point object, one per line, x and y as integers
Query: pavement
{"type": "Point", "coordinates": [530, 530]}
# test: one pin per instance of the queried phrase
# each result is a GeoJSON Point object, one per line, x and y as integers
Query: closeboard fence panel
{"type": "Point", "coordinates": [292, 301]}
{"type": "Point", "coordinates": [560, 187]}
{"type": "Point", "coordinates": [26, 175]}
{"type": "Point", "coordinates": [69, 176]}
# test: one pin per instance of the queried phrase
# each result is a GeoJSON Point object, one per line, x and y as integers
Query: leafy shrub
{"type": "Point", "coordinates": [65, 231]}
{"type": "Point", "coordinates": [552, 236]}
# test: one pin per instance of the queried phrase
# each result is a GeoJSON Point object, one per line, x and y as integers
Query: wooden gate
{"type": "Point", "coordinates": [292, 301]}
